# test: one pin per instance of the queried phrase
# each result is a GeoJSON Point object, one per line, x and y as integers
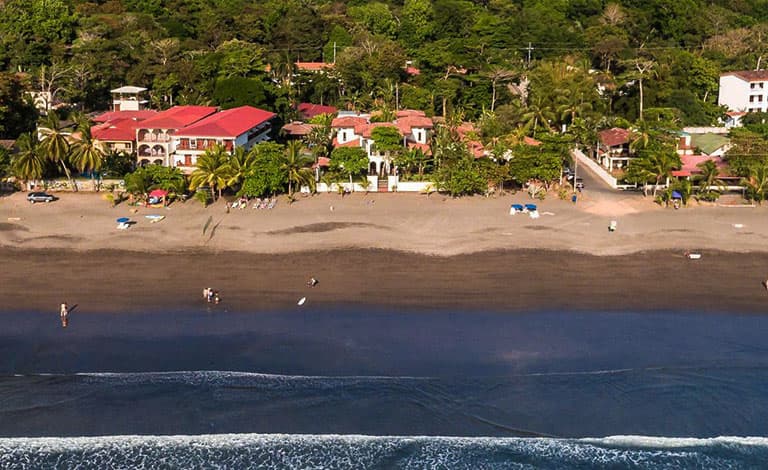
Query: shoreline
{"type": "Point", "coordinates": [504, 281]}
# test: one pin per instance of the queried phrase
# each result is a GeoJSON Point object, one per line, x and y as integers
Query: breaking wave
{"type": "Point", "coordinates": [342, 452]}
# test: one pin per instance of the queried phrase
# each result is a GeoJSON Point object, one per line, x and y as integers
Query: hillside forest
{"type": "Point", "coordinates": [514, 67]}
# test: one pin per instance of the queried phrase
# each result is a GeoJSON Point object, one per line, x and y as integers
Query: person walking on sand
{"type": "Point", "coordinates": [312, 282]}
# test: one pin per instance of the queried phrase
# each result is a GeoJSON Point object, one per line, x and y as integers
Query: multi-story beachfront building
{"type": "Point", "coordinates": [154, 136]}
{"type": "Point", "coordinates": [237, 127]}
{"type": "Point", "coordinates": [115, 131]}
{"type": "Point", "coordinates": [743, 92]}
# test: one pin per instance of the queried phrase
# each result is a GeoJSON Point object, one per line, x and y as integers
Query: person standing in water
{"type": "Point", "coordinates": [64, 313]}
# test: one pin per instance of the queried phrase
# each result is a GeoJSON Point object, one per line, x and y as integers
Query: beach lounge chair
{"type": "Point", "coordinates": [272, 203]}
{"type": "Point", "coordinates": [516, 208]}
{"type": "Point", "coordinates": [612, 226]}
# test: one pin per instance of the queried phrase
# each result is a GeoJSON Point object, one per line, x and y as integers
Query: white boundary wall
{"type": "Point", "coordinates": [582, 159]}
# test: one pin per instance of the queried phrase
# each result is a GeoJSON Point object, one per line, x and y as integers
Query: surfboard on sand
{"type": "Point", "coordinates": [302, 300]}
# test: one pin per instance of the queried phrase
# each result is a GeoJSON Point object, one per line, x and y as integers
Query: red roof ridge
{"type": "Point", "coordinates": [228, 123]}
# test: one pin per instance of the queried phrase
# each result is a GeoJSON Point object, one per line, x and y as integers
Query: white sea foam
{"type": "Point", "coordinates": [654, 442]}
{"type": "Point", "coordinates": [358, 451]}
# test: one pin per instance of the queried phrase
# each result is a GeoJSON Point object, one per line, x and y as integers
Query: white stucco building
{"type": "Point", "coordinates": [743, 92]}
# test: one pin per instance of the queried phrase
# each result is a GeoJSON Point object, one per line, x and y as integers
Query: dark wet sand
{"type": "Point", "coordinates": [508, 281]}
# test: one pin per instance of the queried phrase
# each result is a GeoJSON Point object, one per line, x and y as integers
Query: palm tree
{"type": "Point", "coordinates": [240, 162]}
{"type": "Point", "coordinates": [661, 163]}
{"type": "Point", "coordinates": [87, 154]}
{"type": "Point", "coordinates": [212, 170]}
{"type": "Point", "coordinates": [296, 166]}
{"type": "Point", "coordinates": [709, 176]}
{"type": "Point", "coordinates": [320, 138]}
{"type": "Point", "coordinates": [538, 114]}
{"type": "Point", "coordinates": [756, 183]}
{"type": "Point", "coordinates": [28, 164]}
{"type": "Point", "coordinates": [55, 144]}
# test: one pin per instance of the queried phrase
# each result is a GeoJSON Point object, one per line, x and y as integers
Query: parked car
{"type": "Point", "coordinates": [579, 183]}
{"type": "Point", "coordinates": [40, 197]}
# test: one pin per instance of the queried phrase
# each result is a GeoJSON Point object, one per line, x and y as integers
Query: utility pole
{"type": "Point", "coordinates": [334, 52]}
{"type": "Point", "coordinates": [529, 49]}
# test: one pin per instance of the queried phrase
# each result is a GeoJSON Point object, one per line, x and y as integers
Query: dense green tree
{"type": "Point", "coordinates": [463, 176]}
{"type": "Point", "coordinates": [350, 162]}
{"type": "Point", "coordinates": [266, 176]}
{"type": "Point", "coordinates": [239, 91]}
{"type": "Point", "coordinates": [17, 114]}
{"type": "Point", "coordinates": [542, 163]}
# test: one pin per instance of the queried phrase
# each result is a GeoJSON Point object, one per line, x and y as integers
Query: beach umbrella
{"type": "Point", "coordinates": [123, 220]}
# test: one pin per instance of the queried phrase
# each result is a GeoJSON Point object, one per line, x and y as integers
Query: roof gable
{"type": "Point", "coordinates": [177, 117]}
{"type": "Point", "coordinates": [749, 75]}
{"type": "Point", "coordinates": [229, 123]}
{"type": "Point", "coordinates": [614, 136]}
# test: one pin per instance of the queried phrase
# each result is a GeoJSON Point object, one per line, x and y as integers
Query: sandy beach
{"type": "Point", "coordinates": [393, 250]}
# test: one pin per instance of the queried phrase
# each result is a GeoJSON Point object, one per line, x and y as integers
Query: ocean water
{"type": "Point", "coordinates": [378, 389]}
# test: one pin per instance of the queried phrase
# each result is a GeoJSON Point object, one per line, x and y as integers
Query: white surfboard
{"type": "Point", "coordinates": [302, 300]}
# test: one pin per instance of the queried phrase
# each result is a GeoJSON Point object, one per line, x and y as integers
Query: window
{"type": "Point", "coordinates": [193, 143]}
{"type": "Point", "coordinates": [752, 86]}
{"type": "Point", "coordinates": [751, 99]}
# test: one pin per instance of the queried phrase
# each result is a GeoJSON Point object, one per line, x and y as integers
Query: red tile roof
{"type": "Point", "coordinates": [691, 164]}
{"type": "Point", "coordinates": [298, 128]}
{"type": "Point", "coordinates": [749, 75]}
{"type": "Point", "coordinates": [120, 127]}
{"type": "Point", "coordinates": [314, 66]}
{"type": "Point", "coordinates": [123, 131]}
{"type": "Point", "coordinates": [136, 115]}
{"type": "Point", "coordinates": [425, 148]}
{"type": "Point", "coordinates": [409, 112]}
{"type": "Point", "coordinates": [322, 161]}
{"type": "Point", "coordinates": [614, 136]}
{"type": "Point", "coordinates": [365, 130]}
{"type": "Point", "coordinates": [405, 124]}
{"type": "Point", "coordinates": [412, 71]}
{"type": "Point", "coordinates": [348, 121]}
{"type": "Point", "coordinates": [310, 110]}
{"type": "Point", "coordinates": [229, 123]}
{"type": "Point", "coordinates": [177, 117]}
{"type": "Point", "coordinates": [351, 143]}
{"type": "Point", "coordinates": [476, 148]}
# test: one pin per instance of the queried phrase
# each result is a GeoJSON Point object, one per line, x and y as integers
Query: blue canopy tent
{"type": "Point", "coordinates": [676, 195]}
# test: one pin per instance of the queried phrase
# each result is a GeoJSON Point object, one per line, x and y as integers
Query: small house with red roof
{"type": "Point", "coordinates": [237, 127]}
{"type": "Point", "coordinates": [154, 136]}
{"type": "Point", "coordinates": [115, 131]}
{"type": "Point", "coordinates": [309, 110]}
{"type": "Point", "coordinates": [613, 148]}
